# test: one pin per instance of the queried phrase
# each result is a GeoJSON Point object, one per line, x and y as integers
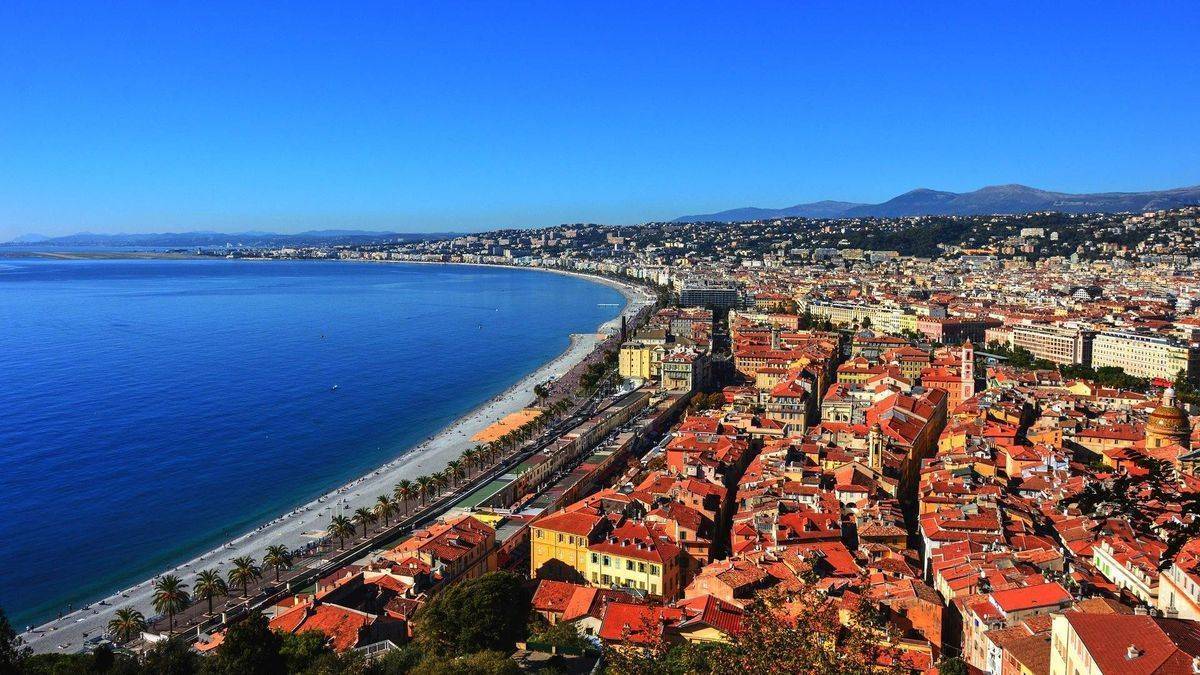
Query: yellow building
{"type": "Point", "coordinates": [639, 360]}
{"type": "Point", "coordinates": [558, 543]}
{"type": "Point", "coordinates": [632, 557]}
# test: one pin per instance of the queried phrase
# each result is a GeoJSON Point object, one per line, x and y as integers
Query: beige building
{"type": "Point", "coordinates": [1054, 343]}
{"type": "Point", "coordinates": [1143, 355]}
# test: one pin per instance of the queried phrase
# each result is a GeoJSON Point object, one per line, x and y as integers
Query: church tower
{"type": "Point", "coordinates": [967, 370]}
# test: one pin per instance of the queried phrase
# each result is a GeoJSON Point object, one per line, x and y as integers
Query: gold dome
{"type": "Point", "coordinates": [1168, 423]}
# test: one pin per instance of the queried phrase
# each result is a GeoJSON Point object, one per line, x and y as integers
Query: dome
{"type": "Point", "coordinates": [1168, 423]}
{"type": "Point", "coordinates": [1169, 419]}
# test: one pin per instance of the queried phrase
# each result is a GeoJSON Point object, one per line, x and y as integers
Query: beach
{"type": "Point", "coordinates": [306, 524]}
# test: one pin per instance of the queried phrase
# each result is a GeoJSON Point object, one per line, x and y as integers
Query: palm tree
{"type": "Point", "coordinates": [494, 450]}
{"type": "Point", "coordinates": [277, 557]}
{"type": "Point", "coordinates": [424, 487]}
{"type": "Point", "coordinates": [341, 527]}
{"type": "Point", "coordinates": [441, 480]}
{"type": "Point", "coordinates": [405, 491]}
{"type": "Point", "coordinates": [384, 508]}
{"type": "Point", "coordinates": [209, 585]}
{"type": "Point", "coordinates": [170, 596]}
{"type": "Point", "coordinates": [456, 471]}
{"type": "Point", "coordinates": [364, 516]}
{"type": "Point", "coordinates": [244, 571]}
{"type": "Point", "coordinates": [126, 624]}
{"type": "Point", "coordinates": [468, 458]}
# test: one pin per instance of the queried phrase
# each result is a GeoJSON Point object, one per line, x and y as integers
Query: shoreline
{"type": "Point", "coordinates": [300, 526]}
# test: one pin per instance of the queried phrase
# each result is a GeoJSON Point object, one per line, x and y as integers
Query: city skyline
{"type": "Point", "coordinates": [235, 119]}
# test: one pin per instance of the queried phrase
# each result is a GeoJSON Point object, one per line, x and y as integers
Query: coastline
{"type": "Point", "coordinates": [297, 528]}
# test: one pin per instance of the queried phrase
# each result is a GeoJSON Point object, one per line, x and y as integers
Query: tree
{"type": "Point", "coordinates": [170, 596]}
{"type": "Point", "coordinates": [469, 457]}
{"type": "Point", "coordinates": [781, 632]}
{"type": "Point", "coordinates": [171, 657]}
{"type": "Point", "coordinates": [209, 585]}
{"type": "Point", "coordinates": [489, 612]}
{"type": "Point", "coordinates": [562, 635]}
{"type": "Point", "coordinates": [404, 491]}
{"type": "Point", "coordinates": [364, 516]}
{"type": "Point", "coordinates": [481, 663]}
{"type": "Point", "coordinates": [301, 650]}
{"type": "Point", "coordinates": [277, 557]}
{"type": "Point", "coordinates": [384, 508]}
{"type": "Point", "coordinates": [250, 646]}
{"type": "Point", "coordinates": [244, 572]}
{"type": "Point", "coordinates": [456, 471]}
{"type": "Point", "coordinates": [12, 648]}
{"type": "Point", "coordinates": [425, 487]}
{"type": "Point", "coordinates": [341, 527]}
{"type": "Point", "coordinates": [952, 666]}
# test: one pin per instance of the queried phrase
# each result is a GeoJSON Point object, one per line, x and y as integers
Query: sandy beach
{"type": "Point", "coordinates": [305, 524]}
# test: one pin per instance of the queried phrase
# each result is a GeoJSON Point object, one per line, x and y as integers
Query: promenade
{"type": "Point", "coordinates": [302, 528]}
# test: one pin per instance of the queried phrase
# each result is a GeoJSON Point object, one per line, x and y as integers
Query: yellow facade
{"type": "Point", "coordinates": [637, 360]}
{"type": "Point", "coordinates": [606, 570]}
{"type": "Point", "coordinates": [546, 545]}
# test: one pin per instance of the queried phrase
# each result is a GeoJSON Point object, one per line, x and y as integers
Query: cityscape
{"type": "Point", "coordinates": [599, 339]}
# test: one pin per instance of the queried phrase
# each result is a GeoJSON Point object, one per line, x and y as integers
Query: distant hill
{"type": "Point", "coordinates": [208, 239]}
{"type": "Point", "coordinates": [824, 209]}
{"type": "Point", "coordinates": [984, 201]}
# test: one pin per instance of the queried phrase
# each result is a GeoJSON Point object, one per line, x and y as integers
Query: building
{"type": "Point", "coordinates": [1115, 644]}
{"type": "Point", "coordinates": [1055, 343]}
{"type": "Point", "coordinates": [684, 369]}
{"type": "Point", "coordinates": [1168, 424]}
{"type": "Point", "coordinates": [1144, 355]}
{"type": "Point", "coordinates": [709, 294]}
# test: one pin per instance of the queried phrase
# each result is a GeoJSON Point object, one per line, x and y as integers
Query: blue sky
{"type": "Point", "coordinates": [126, 117]}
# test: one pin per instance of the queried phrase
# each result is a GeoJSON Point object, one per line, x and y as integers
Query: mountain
{"type": "Point", "coordinates": [822, 209]}
{"type": "Point", "coordinates": [194, 239]}
{"type": "Point", "coordinates": [992, 199]}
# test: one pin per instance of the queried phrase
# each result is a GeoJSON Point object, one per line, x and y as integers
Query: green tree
{"type": "Point", "coordinates": [341, 527]}
{"type": "Point", "coordinates": [209, 585]}
{"type": "Point", "coordinates": [12, 648]}
{"type": "Point", "coordinates": [485, 613]}
{"type": "Point", "coordinates": [404, 491]}
{"type": "Point", "coordinates": [480, 663]}
{"type": "Point", "coordinates": [244, 573]}
{"type": "Point", "coordinates": [170, 596]}
{"type": "Point", "coordinates": [365, 517]}
{"type": "Point", "coordinates": [301, 650]}
{"type": "Point", "coordinates": [127, 623]}
{"type": "Point", "coordinates": [277, 557]}
{"type": "Point", "coordinates": [250, 646]}
{"type": "Point", "coordinates": [384, 508]}
{"type": "Point", "coordinates": [171, 657]}
{"type": "Point", "coordinates": [952, 666]}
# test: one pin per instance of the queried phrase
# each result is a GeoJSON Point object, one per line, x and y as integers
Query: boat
{"type": "Point", "coordinates": [334, 387]}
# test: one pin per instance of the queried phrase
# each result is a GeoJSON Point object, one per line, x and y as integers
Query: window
{"type": "Point", "coordinates": [539, 534]}
{"type": "Point", "coordinates": [595, 559]}
{"type": "Point", "coordinates": [607, 579]}
{"type": "Point", "coordinates": [629, 565]}
{"type": "Point", "coordinates": [654, 569]}
{"type": "Point", "coordinates": [641, 567]}
{"type": "Point", "coordinates": [560, 537]}
{"type": "Point", "coordinates": [607, 561]}
{"type": "Point", "coordinates": [595, 577]}
{"type": "Point", "coordinates": [654, 589]}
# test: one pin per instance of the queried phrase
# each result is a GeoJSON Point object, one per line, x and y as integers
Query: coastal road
{"type": "Point", "coordinates": [82, 628]}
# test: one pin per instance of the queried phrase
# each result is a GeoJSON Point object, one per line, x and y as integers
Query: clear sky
{"type": "Point", "coordinates": [163, 116]}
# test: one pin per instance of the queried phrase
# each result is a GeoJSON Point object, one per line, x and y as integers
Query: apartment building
{"type": "Point", "coordinates": [1143, 355]}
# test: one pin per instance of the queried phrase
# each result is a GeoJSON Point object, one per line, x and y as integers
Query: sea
{"type": "Point", "coordinates": [152, 409]}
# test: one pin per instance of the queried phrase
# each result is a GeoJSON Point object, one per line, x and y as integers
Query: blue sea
{"type": "Point", "coordinates": [152, 409]}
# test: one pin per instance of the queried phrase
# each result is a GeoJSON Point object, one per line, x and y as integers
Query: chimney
{"type": "Point", "coordinates": [1132, 652]}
